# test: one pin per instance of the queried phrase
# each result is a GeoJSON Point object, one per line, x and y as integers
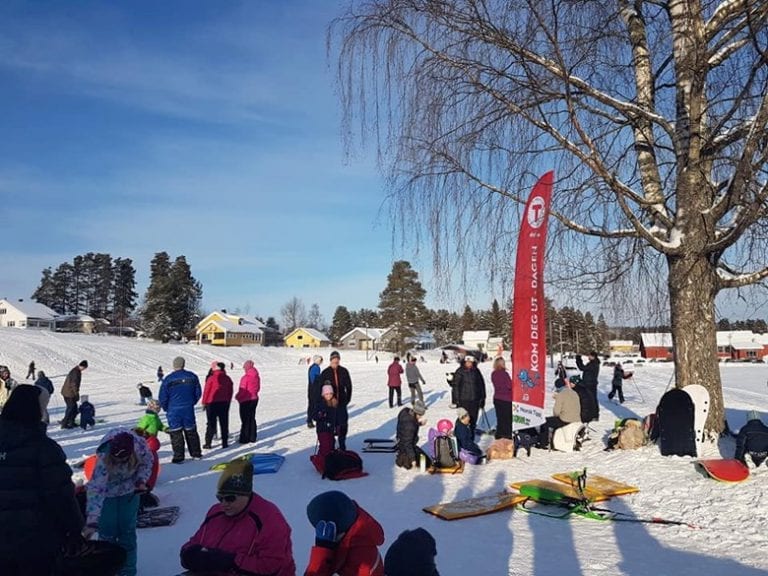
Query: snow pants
{"type": "Point", "coordinates": [415, 391]}
{"type": "Point", "coordinates": [616, 389]}
{"type": "Point", "coordinates": [117, 524]}
{"type": "Point", "coordinates": [395, 390]}
{"type": "Point", "coordinates": [217, 411]}
{"type": "Point", "coordinates": [248, 427]}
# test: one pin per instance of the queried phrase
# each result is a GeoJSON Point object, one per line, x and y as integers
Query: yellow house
{"type": "Point", "coordinates": [307, 338]}
{"type": "Point", "coordinates": [222, 329]}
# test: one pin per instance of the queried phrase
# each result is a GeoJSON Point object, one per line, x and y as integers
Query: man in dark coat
{"type": "Point", "coordinates": [38, 510]}
{"type": "Point", "coordinates": [469, 389]}
{"type": "Point", "coordinates": [71, 392]}
{"type": "Point", "coordinates": [589, 373]}
{"type": "Point", "coordinates": [752, 440]}
{"type": "Point", "coordinates": [408, 422]}
{"type": "Point", "coordinates": [341, 381]}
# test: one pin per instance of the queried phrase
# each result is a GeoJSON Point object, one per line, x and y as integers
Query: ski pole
{"type": "Point", "coordinates": [638, 389]}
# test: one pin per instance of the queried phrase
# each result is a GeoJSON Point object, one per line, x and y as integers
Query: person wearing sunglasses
{"type": "Point", "coordinates": [243, 533]}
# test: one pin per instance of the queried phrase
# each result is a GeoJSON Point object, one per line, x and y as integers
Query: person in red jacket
{"type": "Point", "coordinates": [217, 396]}
{"type": "Point", "coordinates": [248, 397]}
{"type": "Point", "coordinates": [346, 538]}
{"type": "Point", "coordinates": [394, 382]}
{"type": "Point", "coordinates": [244, 533]}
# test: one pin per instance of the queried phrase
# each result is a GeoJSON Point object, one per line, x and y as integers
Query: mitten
{"type": "Point", "coordinates": [325, 534]}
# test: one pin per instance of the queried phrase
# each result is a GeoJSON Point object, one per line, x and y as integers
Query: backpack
{"type": "Point", "coordinates": [343, 464]}
{"type": "Point", "coordinates": [445, 455]}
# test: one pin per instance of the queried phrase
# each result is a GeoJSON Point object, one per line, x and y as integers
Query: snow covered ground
{"type": "Point", "coordinates": [731, 540]}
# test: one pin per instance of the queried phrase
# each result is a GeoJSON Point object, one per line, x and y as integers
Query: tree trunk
{"type": "Point", "coordinates": [692, 290]}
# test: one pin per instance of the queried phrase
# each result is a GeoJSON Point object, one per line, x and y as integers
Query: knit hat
{"type": "Point", "coordinates": [23, 405]}
{"type": "Point", "coordinates": [469, 358]}
{"type": "Point", "coordinates": [237, 478]}
{"type": "Point", "coordinates": [559, 383]}
{"type": "Point", "coordinates": [317, 358]}
{"type": "Point", "coordinates": [335, 354]}
{"type": "Point", "coordinates": [333, 506]}
{"type": "Point", "coordinates": [84, 398]}
{"type": "Point", "coordinates": [121, 446]}
{"type": "Point", "coordinates": [178, 363]}
{"type": "Point", "coordinates": [215, 365]}
{"type": "Point", "coordinates": [4, 370]}
{"type": "Point", "coordinates": [83, 364]}
{"type": "Point", "coordinates": [412, 554]}
{"type": "Point", "coordinates": [327, 389]}
{"type": "Point", "coordinates": [154, 405]}
{"type": "Point", "coordinates": [461, 412]}
{"type": "Point", "coordinates": [247, 365]}
{"type": "Point", "coordinates": [419, 408]}
{"type": "Point", "coordinates": [753, 415]}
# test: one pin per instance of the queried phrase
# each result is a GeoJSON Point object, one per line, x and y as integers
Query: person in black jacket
{"type": "Point", "coordinates": [341, 381]}
{"type": "Point", "coordinates": [752, 440]}
{"type": "Point", "coordinates": [408, 422]}
{"type": "Point", "coordinates": [38, 510]}
{"type": "Point", "coordinates": [469, 389]}
{"type": "Point", "coordinates": [465, 436]}
{"type": "Point", "coordinates": [589, 373]}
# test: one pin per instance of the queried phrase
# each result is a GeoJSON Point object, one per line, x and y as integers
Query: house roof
{"type": "Point", "coordinates": [233, 323]}
{"type": "Point", "coordinates": [729, 337]}
{"type": "Point", "coordinates": [475, 335]}
{"type": "Point", "coordinates": [30, 309]}
{"type": "Point", "coordinates": [76, 318]}
{"type": "Point", "coordinates": [656, 339]}
{"type": "Point", "coordinates": [316, 334]}
{"type": "Point", "coordinates": [620, 343]}
{"type": "Point", "coordinates": [369, 333]}
{"type": "Point", "coordinates": [746, 345]}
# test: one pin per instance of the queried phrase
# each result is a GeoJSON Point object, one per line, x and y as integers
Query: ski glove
{"type": "Point", "coordinates": [325, 534]}
{"type": "Point", "coordinates": [199, 559]}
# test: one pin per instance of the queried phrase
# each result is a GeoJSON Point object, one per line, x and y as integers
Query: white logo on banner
{"type": "Point", "coordinates": [535, 214]}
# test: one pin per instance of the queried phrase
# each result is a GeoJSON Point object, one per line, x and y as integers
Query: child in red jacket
{"type": "Point", "coordinates": [346, 538]}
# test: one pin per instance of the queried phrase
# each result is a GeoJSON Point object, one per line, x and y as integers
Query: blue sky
{"type": "Point", "coordinates": [209, 129]}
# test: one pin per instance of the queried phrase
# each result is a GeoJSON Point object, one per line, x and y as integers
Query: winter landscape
{"type": "Point", "coordinates": [729, 519]}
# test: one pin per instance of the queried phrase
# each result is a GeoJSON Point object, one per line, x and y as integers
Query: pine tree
{"type": "Point", "coordinates": [601, 333]}
{"type": "Point", "coordinates": [46, 291]}
{"type": "Point", "coordinates": [123, 290]}
{"type": "Point", "coordinates": [341, 323]}
{"type": "Point", "coordinates": [402, 303]}
{"type": "Point", "coordinates": [61, 290]}
{"type": "Point", "coordinates": [499, 321]}
{"type": "Point", "coordinates": [156, 312]}
{"type": "Point", "coordinates": [187, 293]}
{"type": "Point", "coordinates": [468, 319]}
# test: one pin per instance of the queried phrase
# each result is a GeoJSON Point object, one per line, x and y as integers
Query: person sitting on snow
{"type": "Point", "coordinates": [469, 451]}
{"type": "Point", "coordinates": [408, 422]}
{"type": "Point", "coordinates": [87, 413]}
{"type": "Point", "coordinates": [752, 440]}
{"type": "Point", "coordinates": [242, 534]}
{"type": "Point", "coordinates": [567, 409]}
{"type": "Point", "coordinates": [413, 553]}
{"type": "Point", "coordinates": [346, 538]}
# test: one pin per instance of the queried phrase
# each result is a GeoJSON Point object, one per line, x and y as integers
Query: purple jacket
{"type": "Point", "coordinates": [502, 385]}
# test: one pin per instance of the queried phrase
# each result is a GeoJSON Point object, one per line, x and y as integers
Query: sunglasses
{"type": "Point", "coordinates": [228, 498]}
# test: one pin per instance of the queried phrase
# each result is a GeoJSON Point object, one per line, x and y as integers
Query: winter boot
{"type": "Point", "coordinates": [208, 438]}
{"type": "Point", "coordinates": [177, 444]}
{"type": "Point", "coordinates": [193, 442]}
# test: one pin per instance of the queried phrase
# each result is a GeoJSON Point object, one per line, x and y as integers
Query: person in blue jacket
{"type": "Point", "coordinates": [179, 393]}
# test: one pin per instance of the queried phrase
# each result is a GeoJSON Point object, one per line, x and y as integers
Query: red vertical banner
{"type": "Point", "coordinates": [529, 343]}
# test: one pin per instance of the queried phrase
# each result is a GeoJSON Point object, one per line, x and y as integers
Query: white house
{"type": "Point", "coordinates": [362, 338]}
{"type": "Point", "coordinates": [476, 339]}
{"type": "Point", "coordinates": [26, 314]}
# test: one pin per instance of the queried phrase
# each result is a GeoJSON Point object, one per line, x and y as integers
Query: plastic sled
{"type": "Point", "coordinates": [723, 470]}
{"type": "Point", "coordinates": [156, 517]}
{"type": "Point", "coordinates": [598, 486]}
{"type": "Point", "coordinates": [474, 506]}
{"type": "Point", "coordinates": [268, 463]}
{"type": "Point", "coordinates": [675, 418]}
{"type": "Point", "coordinates": [374, 445]}
{"type": "Point", "coordinates": [564, 438]}
{"type": "Point", "coordinates": [700, 397]}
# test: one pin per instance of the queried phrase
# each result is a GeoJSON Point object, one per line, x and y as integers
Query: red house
{"type": "Point", "coordinates": [656, 345]}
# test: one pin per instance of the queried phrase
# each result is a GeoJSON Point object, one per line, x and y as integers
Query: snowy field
{"type": "Point", "coordinates": [732, 518]}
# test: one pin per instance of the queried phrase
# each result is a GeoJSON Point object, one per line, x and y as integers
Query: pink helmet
{"type": "Point", "coordinates": [444, 426]}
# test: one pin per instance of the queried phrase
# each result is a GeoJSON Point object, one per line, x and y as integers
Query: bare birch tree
{"type": "Point", "coordinates": [653, 114]}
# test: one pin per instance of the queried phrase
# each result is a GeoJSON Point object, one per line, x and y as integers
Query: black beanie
{"type": "Point", "coordinates": [412, 554]}
{"type": "Point", "coordinates": [333, 506]}
{"type": "Point", "coordinates": [23, 405]}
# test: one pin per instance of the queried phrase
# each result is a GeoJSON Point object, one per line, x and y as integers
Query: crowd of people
{"type": "Point", "coordinates": [48, 532]}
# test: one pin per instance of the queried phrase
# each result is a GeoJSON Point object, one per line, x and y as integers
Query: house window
{"type": "Point", "coordinates": [11, 323]}
{"type": "Point", "coordinates": [2, 310]}
{"type": "Point", "coordinates": [751, 354]}
{"type": "Point", "coordinates": [299, 337]}
{"type": "Point", "coordinates": [22, 324]}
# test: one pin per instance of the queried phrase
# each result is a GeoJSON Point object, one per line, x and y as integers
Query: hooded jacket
{"type": "Point", "coordinates": [752, 440]}
{"type": "Point", "coordinates": [250, 384]}
{"type": "Point", "coordinates": [37, 498]}
{"type": "Point", "coordinates": [407, 433]}
{"type": "Point", "coordinates": [218, 388]}
{"type": "Point", "coordinates": [179, 390]}
{"type": "Point", "coordinates": [121, 479]}
{"type": "Point", "coordinates": [259, 537]}
{"type": "Point", "coordinates": [357, 554]}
